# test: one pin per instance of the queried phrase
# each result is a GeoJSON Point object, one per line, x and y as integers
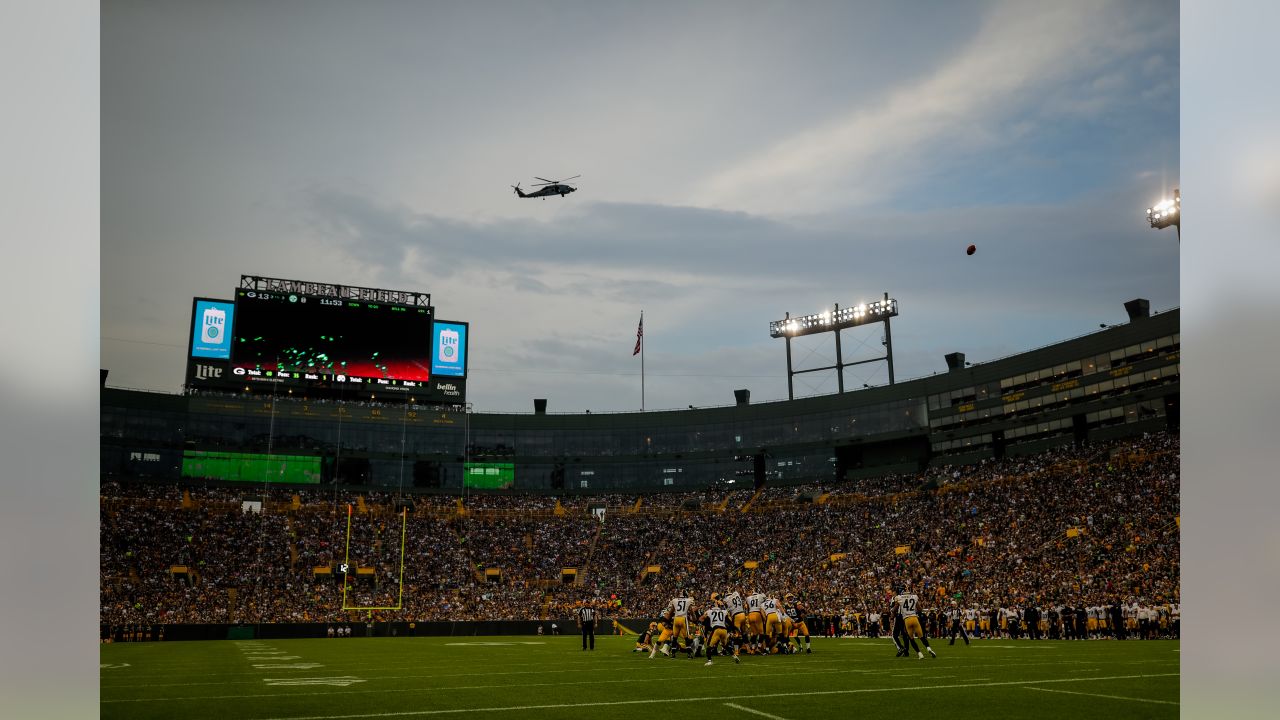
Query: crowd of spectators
{"type": "Point", "coordinates": [1095, 525]}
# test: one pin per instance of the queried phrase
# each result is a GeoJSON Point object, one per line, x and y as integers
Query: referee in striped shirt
{"type": "Point", "coordinates": [587, 623]}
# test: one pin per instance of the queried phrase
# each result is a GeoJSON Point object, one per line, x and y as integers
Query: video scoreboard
{"type": "Point", "coordinates": [336, 346]}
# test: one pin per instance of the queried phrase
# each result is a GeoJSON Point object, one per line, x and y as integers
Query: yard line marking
{"type": "Point", "coordinates": [254, 681]}
{"type": "Point", "coordinates": [657, 678]}
{"type": "Point", "coordinates": [1111, 697]}
{"type": "Point", "coordinates": [290, 666]}
{"type": "Point", "coordinates": [341, 681]}
{"type": "Point", "coordinates": [754, 712]}
{"type": "Point", "coordinates": [718, 698]}
{"type": "Point", "coordinates": [492, 644]}
{"type": "Point", "coordinates": [594, 663]}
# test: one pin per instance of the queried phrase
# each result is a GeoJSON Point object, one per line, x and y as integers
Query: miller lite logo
{"type": "Point", "coordinates": [448, 347]}
{"type": "Point", "coordinates": [207, 372]}
{"type": "Point", "coordinates": [213, 323]}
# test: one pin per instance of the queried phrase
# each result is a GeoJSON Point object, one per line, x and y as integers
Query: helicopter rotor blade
{"type": "Point", "coordinates": [572, 178]}
{"type": "Point", "coordinates": [545, 181]}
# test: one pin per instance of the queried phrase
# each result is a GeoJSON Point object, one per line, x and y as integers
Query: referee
{"type": "Point", "coordinates": [957, 624]}
{"type": "Point", "coordinates": [587, 623]}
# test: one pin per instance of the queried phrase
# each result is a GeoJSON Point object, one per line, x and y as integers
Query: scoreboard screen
{"type": "Point", "coordinates": [489, 475]}
{"type": "Point", "coordinates": [296, 338]}
{"type": "Point", "coordinates": [251, 467]}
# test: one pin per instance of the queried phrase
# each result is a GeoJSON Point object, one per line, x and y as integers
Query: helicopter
{"type": "Point", "coordinates": [550, 187]}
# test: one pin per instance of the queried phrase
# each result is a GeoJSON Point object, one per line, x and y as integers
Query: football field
{"type": "Point", "coordinates": [551, 677]}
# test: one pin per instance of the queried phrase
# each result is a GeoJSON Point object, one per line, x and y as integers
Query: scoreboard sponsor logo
{"type": "Point", "coordinates": [448, 389]}
{"type": "Point", "coordinates": [449, 349]}
{"type": "Point", "coordinates": [211, 329]}
{"type": "Point", "coordinates": [207, 372]}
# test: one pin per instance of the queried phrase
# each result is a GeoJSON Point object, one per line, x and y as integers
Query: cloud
{"type": "Point", "coordinates": [1020, 57]}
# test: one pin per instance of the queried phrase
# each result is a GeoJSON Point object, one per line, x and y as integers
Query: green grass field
{"type": "Point", "coordinates": [550, 677]}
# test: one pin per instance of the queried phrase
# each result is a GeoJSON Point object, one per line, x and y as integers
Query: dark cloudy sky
{"type": "Point", "coordinates": [739, 160]}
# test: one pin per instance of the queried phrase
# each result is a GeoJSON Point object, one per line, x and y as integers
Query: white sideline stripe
{"type": "Point", "coordinates": [1110, 697]}
{"type": "Point", "coordinates": [719, 698]}
{"type": "Point", "coordinates": [656, 678]}
{"type": "Point", "coordinates": [754, 712]}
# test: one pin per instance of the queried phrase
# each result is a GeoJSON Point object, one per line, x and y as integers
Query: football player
{"type": "Point", "coordinates": [679, 608]}
{"type": "Point", "coordinates": [796, 613]}
{"type": "Point", "coordinates": [737, 611]}
{"type": "Point", "coordinates": [664, 634]}
{"type": "Point", "coordinates": [644, 643]}
{"type": "Point", "coordinates": [755, 622]}
{"type": "Point", "coordinates": [908, 608]}
{"type": "Point", "coordinates": [716, 620]}
{"type": "Point", "coordinates": [773, 628]}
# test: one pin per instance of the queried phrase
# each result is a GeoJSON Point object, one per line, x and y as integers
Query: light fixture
{"type": "Point", "coordinates": [1165, 213]}
{"type": "Point", "coordinates": [859, 315]}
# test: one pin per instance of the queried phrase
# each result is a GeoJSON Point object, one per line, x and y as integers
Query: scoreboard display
{"type": "Point", "coordinates": [251, 467]}
{"type": "Point", "coordinates": [327, 341]}
{"type": "Point", "coordinates": [306, 339]}
{"type": "Point", "coordinates": [489, 475]}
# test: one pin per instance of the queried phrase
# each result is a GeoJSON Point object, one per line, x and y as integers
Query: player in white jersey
{"type": "Point", "coordinates": [772, 623]}
{"type": "Point", "coordinates": [908, 604]}
{"type": "Point", "coordinates": [679, 608]}
{"type": "Point", "coordinates": [1131, 617]}
{"type": "Point", "coordinates": [755, 622]}
{"type": "Point", "coordinates": [716, 619]}
{"type": "Point", "coordinates": [737, 611]}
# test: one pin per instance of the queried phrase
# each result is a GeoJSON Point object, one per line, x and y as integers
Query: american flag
{"type": "Point", "coordinates": [639, 335]}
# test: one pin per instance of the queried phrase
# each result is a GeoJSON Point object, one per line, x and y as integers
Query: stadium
{"type": "Point", "coordinates": [320, 526]}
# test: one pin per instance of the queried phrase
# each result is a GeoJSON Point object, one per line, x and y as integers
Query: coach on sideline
{"type": "Point", "coordinates": [587, 624]}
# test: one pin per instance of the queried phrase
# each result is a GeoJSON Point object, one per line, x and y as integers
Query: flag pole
{"type": "Point", "coordinates": [642, 361]}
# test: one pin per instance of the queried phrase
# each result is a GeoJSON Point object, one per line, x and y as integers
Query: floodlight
{"type": "Point", "coordinates": [835, 320]}
{"type": "Point", "coordinates": [846, 318]}
{"type": "Point", "coordinates": [1165, 213]}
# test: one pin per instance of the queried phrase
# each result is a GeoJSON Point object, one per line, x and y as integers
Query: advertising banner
{"type": "Point", "coordinates": [449, 349]}
{"type": "Point", "coordinates": [211, 322]}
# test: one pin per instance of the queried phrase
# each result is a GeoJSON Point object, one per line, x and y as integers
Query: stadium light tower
{"type": "Point", "coordinates": [1166, 213]}
{"type": "Point", "coordinates": [835, 320]}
